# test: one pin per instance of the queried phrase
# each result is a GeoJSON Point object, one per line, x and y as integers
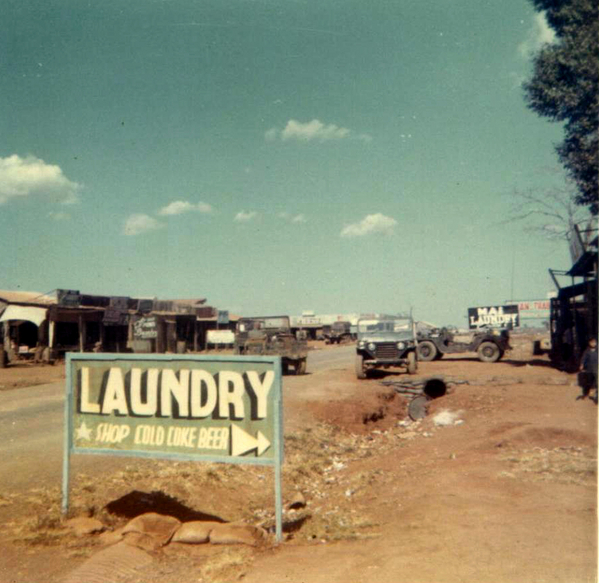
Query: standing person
{"type": "Point", "coordinates": [588, 370]}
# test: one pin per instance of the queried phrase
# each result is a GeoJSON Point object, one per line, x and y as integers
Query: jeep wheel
{"type": "Point", "coordinates": [412, 362]}
{"type": "Point", "coordinates": [426, 351]}
{"type": "Point", "coordinates": [488, 352]}
{"type": "Point", "coordinates": [360, 372]}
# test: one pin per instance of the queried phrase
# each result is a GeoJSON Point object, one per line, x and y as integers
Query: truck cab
{"type": "Point", "coordinates": [272, 336]}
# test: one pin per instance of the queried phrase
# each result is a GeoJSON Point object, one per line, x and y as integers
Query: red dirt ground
{"type": "Point", "coordinates": [509, 493]}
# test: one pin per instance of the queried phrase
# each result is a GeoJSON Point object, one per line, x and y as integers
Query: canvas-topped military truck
{"type": "Point", "coordinates": [385, 342]}
{"type": "Point", "coordinates": [272, 336]}
{"type": "Point", "coordinates": [337, 332]}
{"type": "Point", "coordinates": [490, 344]}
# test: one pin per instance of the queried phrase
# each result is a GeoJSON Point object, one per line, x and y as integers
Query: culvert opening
{"type": "Point", "coordinates": [435, 388]}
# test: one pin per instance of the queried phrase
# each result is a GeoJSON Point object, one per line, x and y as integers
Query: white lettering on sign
{"type": "Point", "coordinates": [177, 388]}
{"type": "Point", "coordinates": [149, 435]}
{"type": "Point", "coordinates": [84, 404]}
{"type": "Point", "coordinates": [193, 394]}
{"type": "Point", "coordinates": [238, 439]}
{"type": "Point", "coordinates": [213, 438]}
{"type": "Point", "coordinates": [114, 397]}
{"type": "Point", "coordinates": [230, 392]}
{"type": "Point", "coordinates": [112, 432]}
{"type": "Point", "coordinates": [181, 436]}
{"type": "Point", "coordinates": [203, 393]}
{"type": "Point", "coordinates": [493, 317]}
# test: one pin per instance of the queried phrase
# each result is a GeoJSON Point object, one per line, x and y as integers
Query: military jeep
{"type": "Point", "coordinates": [385, 342]}
{"type": "Point", "coordinates": [490, 344]}
{"type": "Point", "coordinates": [272, 336]}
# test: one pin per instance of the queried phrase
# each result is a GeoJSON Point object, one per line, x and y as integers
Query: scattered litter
{"type": "Point", "coordinates": [446, 417]}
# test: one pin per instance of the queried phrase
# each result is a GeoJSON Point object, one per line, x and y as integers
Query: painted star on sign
{"type": "Point", "coordinates": [83, 432]}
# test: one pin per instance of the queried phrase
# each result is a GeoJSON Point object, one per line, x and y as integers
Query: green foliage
{"type": "Point", "coordinates": [564, 87]}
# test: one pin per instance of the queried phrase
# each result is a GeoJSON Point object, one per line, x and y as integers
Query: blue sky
{"type": "Point", "coordinates": [274, 156]}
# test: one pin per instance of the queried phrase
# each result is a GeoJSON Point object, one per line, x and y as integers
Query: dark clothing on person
{"type": "Point", "coordinates": [589, 360]}
{"type": "Point", "coordinates": [588, 375]}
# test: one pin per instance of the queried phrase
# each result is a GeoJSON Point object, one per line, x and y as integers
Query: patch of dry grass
{"type": "Point", "coordinates": [230, 564]}
{"type": "Point", "coordinates": [316, 464]}
{"type": "Point", "coordinates": [567, 465]}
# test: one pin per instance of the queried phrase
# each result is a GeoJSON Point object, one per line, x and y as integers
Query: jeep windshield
{"type": "Point", "coordinates": [397, 328]}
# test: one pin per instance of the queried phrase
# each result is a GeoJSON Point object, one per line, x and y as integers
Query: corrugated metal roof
{"type": "Point", "coordinates": [25, 297]}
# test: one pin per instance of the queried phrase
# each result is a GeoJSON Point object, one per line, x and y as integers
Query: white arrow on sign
{"type": "Point", "coordinates": [242, 441]}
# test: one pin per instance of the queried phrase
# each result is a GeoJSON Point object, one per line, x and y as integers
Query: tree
{"type": "Point", "coordinates": [564, 87]}
{"type": "Point", "coordinates": [549, 212]}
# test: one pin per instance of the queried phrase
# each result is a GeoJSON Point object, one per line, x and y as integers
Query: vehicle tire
{"type": "Point", "coordinates": [412, 362]}
{"type": "Point", "coordinates": [427, 351]}
{"type": "Point", "coordinates": [285, 368]}
{"type": "Point", "coordinates": [417, 408]}
{"type": "Point", "coordinates": [360, 372]}
{"type": "Point", "coordinates": [488, 352]}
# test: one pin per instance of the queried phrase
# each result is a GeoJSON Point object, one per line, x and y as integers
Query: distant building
{"type": "Point", "coordinates": [315, 324]}
{"type": "Point", "coordinates": [45, 326]}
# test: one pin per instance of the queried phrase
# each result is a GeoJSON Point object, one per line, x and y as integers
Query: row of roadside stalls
{"type": "Point", "coordinates": [43, 327]}
{"type": "Point", "coordinates": [573, 312]}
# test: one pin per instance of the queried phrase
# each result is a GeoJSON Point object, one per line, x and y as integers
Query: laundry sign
{"type": "Point", "coordinates": [493, 316]}
{"type": "Point", "coordinates": [217, 408]}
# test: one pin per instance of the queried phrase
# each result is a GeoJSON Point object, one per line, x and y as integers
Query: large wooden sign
{"type": "Point", "coordinates": [493, 316]}
{"type": "Point", "coordinates": [218, 409]}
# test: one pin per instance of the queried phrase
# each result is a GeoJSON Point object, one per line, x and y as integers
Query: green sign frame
{"type": "Point", "coordinates": [225, 409]}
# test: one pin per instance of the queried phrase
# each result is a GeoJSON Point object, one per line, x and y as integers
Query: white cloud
{"type": "Point", "coordinates": [179, 207]}
{"type": "Point", "coordinates": [30, 176]}
{"type": "Point", "coordinates": [301, 218]}
{"type": "Point", "coordinates": [312, 130]}
{"type": "Point", "coordinates": [244, 217]}
{"type": "Point", "coordinates": [271, 134]}
{"type": "Point", "coordinates": [140, 223]}
{"type": "Point", "coordinates": [370, 224]}
{"type": "Point", "coordinates": [59, 216]}
{"type": "Point", "coordinates": [539, 34]}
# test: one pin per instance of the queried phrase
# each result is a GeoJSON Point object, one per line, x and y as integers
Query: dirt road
{"type": "Point", "coordinates": [497, 484]}
{"type": "Point", "coordinates": [32, 421]}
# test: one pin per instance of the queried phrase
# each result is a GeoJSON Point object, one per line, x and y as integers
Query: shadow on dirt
{"type": "Point", "coordinates": [536, 362]}
{"type": "Point", "coordinates": [381, 374]}
{"type": "Point", "coordinates": [135, 503]}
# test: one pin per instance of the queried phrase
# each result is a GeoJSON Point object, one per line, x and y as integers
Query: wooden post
{"type": "Point", "coordinates": [7, 345]}
{"type": "Point", "coordinates": [102, 335]}
{"type": "Point", "coordinates": [81, 333]}
{"type": "Point", "coordinates": [51, 333]}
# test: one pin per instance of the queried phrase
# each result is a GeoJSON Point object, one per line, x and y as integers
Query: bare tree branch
{"type": "Point", "coordinates": [547, 212]}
